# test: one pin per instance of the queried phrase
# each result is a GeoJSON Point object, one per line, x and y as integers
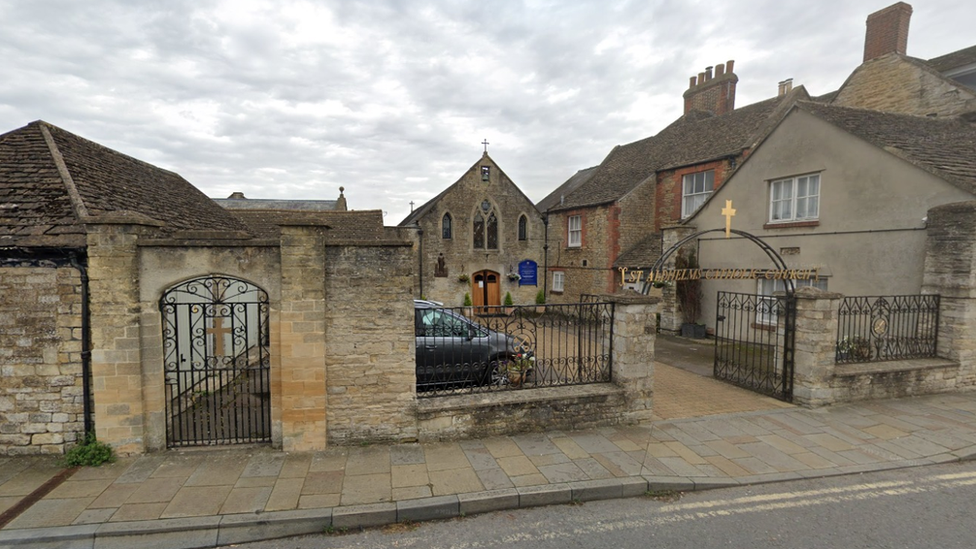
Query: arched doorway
{"type": "Point", "coordinates": [485, 291]}
{"type": "Point", "coordinates": [754, 334]}
{"type": "Point", "coordinates": [216, 362]}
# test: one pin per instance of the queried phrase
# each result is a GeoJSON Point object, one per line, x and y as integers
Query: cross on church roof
{"type": "Point", "coordinates": [485, 143]}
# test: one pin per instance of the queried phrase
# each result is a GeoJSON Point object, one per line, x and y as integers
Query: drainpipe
{"type": "Point", "coordinates": [420, 258]}
{"type": "Point", "coordinates": [545, 260]}
{"type": "Point", "coordinates": [85, 341]}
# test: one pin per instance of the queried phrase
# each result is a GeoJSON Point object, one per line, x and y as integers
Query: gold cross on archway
{"type": "Point", "coordinates": [729, 213]}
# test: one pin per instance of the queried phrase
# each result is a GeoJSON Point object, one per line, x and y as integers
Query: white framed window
{"type": "Point", "coordinates": [695, 188]}
{"type": "Point", "coordinates": [558, 280]}
{"type": "Point", "coordinates": [575, 231]}
{"type": "Point", "coordinates": [794, 199]}
{"type": "Point", "coordinates": [767, 306]}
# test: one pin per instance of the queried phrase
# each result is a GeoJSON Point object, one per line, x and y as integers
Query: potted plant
{"type": "Point", "coordinates": [517, 369]}
{"type": "Point", "coordinates": [689, 296]}
{"type": "Point", "coordinates": [467, 305]}
{"type": "Point", "coordinates": [853, 348]}
{"type": "Point", "coordinates": [509, 304]}
{"type": "Point", "coordinates": [463, 278]}
{"type": "Point", "coordinates": [514, 277]}
{"type": "Point", "coordinates": [540, 301]}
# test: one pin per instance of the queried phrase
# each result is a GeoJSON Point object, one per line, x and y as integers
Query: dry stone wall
{"type": "Point", "coordinates": [41, 396]}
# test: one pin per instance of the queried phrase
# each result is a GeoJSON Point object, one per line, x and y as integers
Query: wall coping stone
{"type": "Point", "coordinates": [479, 401]}
{"type": "Point", "coordinates": [847, 370]}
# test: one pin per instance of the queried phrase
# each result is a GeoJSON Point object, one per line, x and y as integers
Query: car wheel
{"type": "Point", "coordinates": [495, 377]}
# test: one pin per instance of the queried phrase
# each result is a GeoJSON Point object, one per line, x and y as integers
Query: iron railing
{"type": "Point", "coordinates": [879, 328]}
{"type": "Point", "coordinates": [483, 349]}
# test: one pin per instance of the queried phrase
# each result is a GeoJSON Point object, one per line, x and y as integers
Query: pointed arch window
{"type": "Point", "coordinates": [485, 228]}
{"type": "Point", "coordinates": [446, 227]}
{"type": "Point", "coordinates": [523, 229]}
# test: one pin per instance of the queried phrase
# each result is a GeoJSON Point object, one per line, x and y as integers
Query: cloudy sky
{"type": "Point", "coordinates": [391, 99]}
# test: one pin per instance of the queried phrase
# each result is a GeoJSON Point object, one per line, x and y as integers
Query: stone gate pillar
{"type": "Point", "coordinates": [815, 346]}
{"type": "Point", "coordinates": [300, 353]}
{"type": "Point", "coordinates": [950, 271]}
{"type": "Point", "coordinates": [633, 352]}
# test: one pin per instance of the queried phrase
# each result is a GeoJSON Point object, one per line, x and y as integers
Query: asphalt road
{"type": "Point", "coordinates": [923, 507]}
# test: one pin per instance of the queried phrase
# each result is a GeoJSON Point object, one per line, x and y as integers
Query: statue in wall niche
{"type": "Point", "coordinates": [441, 269]}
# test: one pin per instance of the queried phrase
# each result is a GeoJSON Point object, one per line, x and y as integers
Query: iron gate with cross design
{"type": "Point", "coordinates": [216, 362]}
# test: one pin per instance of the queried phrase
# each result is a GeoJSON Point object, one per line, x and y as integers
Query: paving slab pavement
{"type": "Point", "coordinates": [201, 498]}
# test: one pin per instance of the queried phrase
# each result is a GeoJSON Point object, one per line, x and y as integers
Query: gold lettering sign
{"type": "Point", "coordinates": [636, 276]}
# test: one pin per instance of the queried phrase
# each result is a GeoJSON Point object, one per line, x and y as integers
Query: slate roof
{"type": "Point", "coordinates": [949, 61]}
{"type": "Point", "coordinates": [234, 203]}
{"type": "Point", "coordinates": [44, 204]}
{"type": "Point", "coordinates": [345, 226]}
{"type": "Point", "coordinates": [694, 138]}
{"type": "Point", "coordinates": [941, 146]}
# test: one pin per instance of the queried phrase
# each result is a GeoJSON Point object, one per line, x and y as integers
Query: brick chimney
{"type": "Point", "coordinates": [887, 31]}
{"type": "Point", "coordinates": [712, 93]}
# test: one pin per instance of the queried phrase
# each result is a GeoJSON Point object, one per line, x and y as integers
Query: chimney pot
{"type": "Point", "coordinates": [708, 73]}
{"type": "Point", "coordinates": [692, 82]}
{"type": "Point", "coordinates": [728, 66]}
{"type": "Point", "coordinates": [787, 85]}
{"type": "Point", "coordinates": [701, 78]}
{"type": "Point", "coordinates": [719, 70]}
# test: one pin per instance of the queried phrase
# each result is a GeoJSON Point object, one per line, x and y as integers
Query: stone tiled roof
{"type": "Point", "coordinates": [643, 254]}
{"type": "Point", "coordinates": [52, 182]}
{"type": "Point", "coordinates": [418, 213]}
{"type": "Point", "coordinates": [694, 138]}
{"type": "Point", "coordinates": [949, 61]}
{"type": "Point", "coordinates": [344, 226]}
{"type": "Point", "coordinates": [566, 188]}
{"type": "Point", "coordinates": [942, 146]}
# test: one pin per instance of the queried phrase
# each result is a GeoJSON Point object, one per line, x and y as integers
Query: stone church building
{"type": "Point", "coordinates": [482, 237]}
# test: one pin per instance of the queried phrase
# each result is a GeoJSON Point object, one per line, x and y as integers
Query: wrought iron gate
{"type": "Point", "coordinates": [216, 362]}
{"type": "Point", "coordinates": [754, 342]}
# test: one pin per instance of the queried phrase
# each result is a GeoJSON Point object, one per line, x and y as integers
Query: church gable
{"type": "Point", "coordinates": [483, 223]}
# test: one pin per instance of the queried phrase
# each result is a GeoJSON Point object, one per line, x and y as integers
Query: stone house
{"type": "Point", "coordinates": [135, 305]}
{"type": "Point", "coordinates": [610, 216]}
{"type": "Point", "coordinates": [480, 236]}
{"type": "Point", "coordinates": [898, 124]}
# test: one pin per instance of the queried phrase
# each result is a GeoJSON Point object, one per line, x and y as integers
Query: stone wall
{"type": "Point", "coordinates": [819, 381]}
{"type": "Point", "coordinates": [587, 268]}
{"type": "Point", "coordinates": [369, 343]}
{"type": "Point", "coordinates": [892, 83]}
{"type": "Point", "coordinates": [626, 400]}
{"type": "Point", "coordinates": [41, 404]}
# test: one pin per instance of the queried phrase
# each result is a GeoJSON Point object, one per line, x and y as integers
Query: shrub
{"type": "Point", "coordinates": [508, 299]}
{"type": "Point", "coordinates": [540, 297]}
{"type": "Point", "coordinates": [467, 300]}
{"type": "Point", "coordinates": [90, 453]}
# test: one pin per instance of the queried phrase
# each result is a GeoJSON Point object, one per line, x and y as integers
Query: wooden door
{"type": "Point", "coordinates": [485, 291]}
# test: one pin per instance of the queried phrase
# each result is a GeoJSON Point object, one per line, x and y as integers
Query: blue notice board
{"type": "Point", "coordinates": [528, 273]}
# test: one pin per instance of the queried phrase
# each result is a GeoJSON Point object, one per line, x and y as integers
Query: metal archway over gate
{"type": "Point", "coordinates": [754, 334]}
{"type": "Point", "coordinates": [216, 362]}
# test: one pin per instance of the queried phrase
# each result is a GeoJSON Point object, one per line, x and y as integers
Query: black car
{"type": "Point", "coordinates": [454, 351]}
